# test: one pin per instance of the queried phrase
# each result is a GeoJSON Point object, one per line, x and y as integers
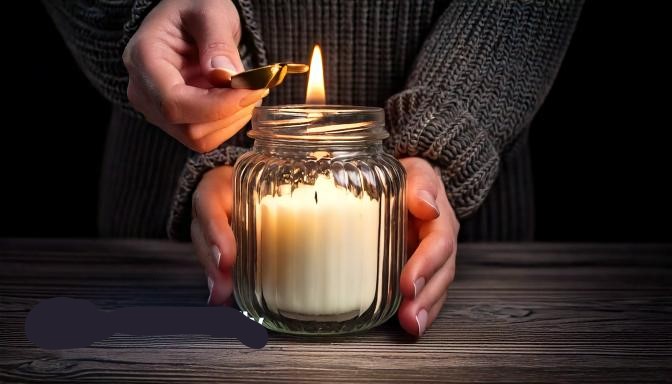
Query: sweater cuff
{"type": "Point", "coordinates": [139, 10]}
{"type": "Point", "coordinates": [435, 125]}
{"type": "Point", "coordinates": [179, 222]}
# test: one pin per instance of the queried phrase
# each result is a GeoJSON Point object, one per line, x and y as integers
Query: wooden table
{"type": "Point", "coordinates": [516, 313]}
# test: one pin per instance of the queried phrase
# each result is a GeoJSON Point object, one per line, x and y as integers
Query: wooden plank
{"type": "Point", "coordinates": [518, 312]}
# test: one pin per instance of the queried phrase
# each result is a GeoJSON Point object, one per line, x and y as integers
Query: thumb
{"type": "Point", "coordinates": [216, 31]}
{"type": "Point", "coordinates": [422, 188]}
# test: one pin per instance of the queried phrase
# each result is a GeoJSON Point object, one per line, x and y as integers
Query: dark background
{"type": "Point", "coordinates": [599, 142]}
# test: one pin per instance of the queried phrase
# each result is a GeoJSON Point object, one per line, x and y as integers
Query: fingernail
{"type": "Point", "coordinates": [253, 97]}
{"type": "Point", "coordinates": [418, 284]}
{"type": "Point", "coordinates": [427, 198]}
{"type": "Point", "coordinates": [211, 283]}
{"type": "Point", "coordinates": [223, 62]}
{"type": "Point", "coordinates": [216, 255]}
{"type": "Point", "coordinates": [421, 319]}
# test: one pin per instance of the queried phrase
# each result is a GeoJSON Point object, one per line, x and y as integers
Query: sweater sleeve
{"type": "Point", "coordinates": [96, 32]}
{"type": "Point", "coordinates": [480, 77]}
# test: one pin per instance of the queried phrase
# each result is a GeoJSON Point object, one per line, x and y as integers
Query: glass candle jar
{"type": "Point", "coordinates": [320, 220]}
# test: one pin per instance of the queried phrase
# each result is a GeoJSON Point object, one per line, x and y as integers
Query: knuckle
{"type": "Point", "coordinates": [193, 140]}
{"type": "Point", "coordinates": [451, 274]}
{"type": "Point", "coordinates": [128, 54]}
{"type": "Point", "coordinates": [446, 244]}
{"type": "Point", "coordinates": [191, 132]}
{"type": "Point", "coordinates": [451, 244]}
{"type": "Point", "coordinates": [199, 146]}
{"type": "Point", "coordinates": [220, 46]}
{"type": "Point", "coordinates": [134, 52]}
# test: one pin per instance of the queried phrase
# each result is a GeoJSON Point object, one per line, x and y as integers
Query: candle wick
{"type": "Point", "coordinates": [315, 197]}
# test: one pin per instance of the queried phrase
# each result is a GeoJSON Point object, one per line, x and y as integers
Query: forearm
{"type": "Point", "coordinates": [96, 34]}
{"type": "Point", "coordinates": [479, 79]}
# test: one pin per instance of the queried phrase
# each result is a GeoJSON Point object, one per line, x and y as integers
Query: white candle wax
{"type": "Point", "coordinates": [318, 250]}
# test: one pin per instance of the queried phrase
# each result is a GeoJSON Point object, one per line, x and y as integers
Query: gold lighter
{"type": "Point", "coordinates": [268, 76]}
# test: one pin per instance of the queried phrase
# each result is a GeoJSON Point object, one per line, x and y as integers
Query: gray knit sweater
{"type": "Point", "coordinates": [460, 82]}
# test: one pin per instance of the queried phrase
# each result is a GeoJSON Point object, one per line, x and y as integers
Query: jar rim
{"type": "Point", "coordinates": [313, 123]}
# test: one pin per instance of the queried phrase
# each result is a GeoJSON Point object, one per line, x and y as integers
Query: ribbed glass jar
{"type": "Point", "coordinates": [320, 220]}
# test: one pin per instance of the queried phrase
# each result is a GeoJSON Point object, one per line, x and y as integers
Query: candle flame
{"type": "Point", "coordinates": [315, 92]}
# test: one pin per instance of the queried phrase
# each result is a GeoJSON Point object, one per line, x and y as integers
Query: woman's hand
{"type": "Point", "coordinates": [432, 238]}
{"type": "Point", "coordinates": [211, 233]}
{"type": "Point", "coordinates": [432, 244]}
{"type": "Point", "coordinates": [169, 60]}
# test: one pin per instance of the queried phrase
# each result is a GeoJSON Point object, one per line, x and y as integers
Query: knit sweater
{"type": "Point", "coordinates": [460, 82]}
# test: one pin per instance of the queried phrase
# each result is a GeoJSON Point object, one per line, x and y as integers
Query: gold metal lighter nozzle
{"type": "Point", "coordinates": [268, 76]}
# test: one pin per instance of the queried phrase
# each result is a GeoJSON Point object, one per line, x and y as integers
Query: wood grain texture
{"type": "Point", "coordinates": [516, 313]}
